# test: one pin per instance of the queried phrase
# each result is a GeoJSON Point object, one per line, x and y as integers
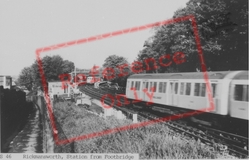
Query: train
{"type": "Point", "coordinates": [190, 90]}
{"type": "Point", "coordinates": [93, 79]}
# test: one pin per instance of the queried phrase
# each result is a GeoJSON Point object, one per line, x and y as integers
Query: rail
{"type": "Point", "coordinates": [236, 145]}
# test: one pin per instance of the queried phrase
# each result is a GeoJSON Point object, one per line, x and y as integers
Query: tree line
{"type": "Point", "coordinates": [53, 66]}
{"type": "Point", "coordinates": [223, 30]}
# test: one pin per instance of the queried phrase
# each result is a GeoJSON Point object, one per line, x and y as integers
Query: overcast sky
{"type": "Point", "coordinates": [26, 25]}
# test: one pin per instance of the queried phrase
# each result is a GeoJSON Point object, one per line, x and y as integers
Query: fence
{"type": "Point", "coordinates": [49, 145]}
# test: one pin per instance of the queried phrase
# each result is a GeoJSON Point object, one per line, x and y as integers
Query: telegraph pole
{"type": "Point", "coordinates": [75, 75]}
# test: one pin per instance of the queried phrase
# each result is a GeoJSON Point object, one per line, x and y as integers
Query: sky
{"type": "Point", "coordinates": [31, 24]}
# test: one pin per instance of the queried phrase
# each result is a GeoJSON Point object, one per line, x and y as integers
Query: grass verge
{"type": "Point", "coordinates": [151, 142]}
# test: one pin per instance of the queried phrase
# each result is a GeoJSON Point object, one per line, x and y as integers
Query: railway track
{"type": "Point", "coordinates": [236, 145]}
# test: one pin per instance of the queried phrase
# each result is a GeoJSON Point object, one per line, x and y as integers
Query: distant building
{"type": "Point", "coordinates": [88, 72]}
{"type": "Point", "coordinates": [13, 83]}
{"type": "Point", "coordinates": [6, 81]}
{"type": "Point", "coordinates": [80, 71]}
{"type": "Point", "coordinates": [55, 88]}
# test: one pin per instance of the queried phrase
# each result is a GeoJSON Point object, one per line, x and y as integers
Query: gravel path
{"type": "Point", "coordinates": [29, 140]}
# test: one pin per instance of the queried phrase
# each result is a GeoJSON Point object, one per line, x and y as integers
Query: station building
{"type": "Point", "coordinates": [6, 81]}
{"type": "Point", "coordinates": [55, 88]}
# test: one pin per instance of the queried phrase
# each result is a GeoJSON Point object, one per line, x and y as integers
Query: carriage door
{"type": "Point", "coordinates": [215, 96]}
{"type": "Point", "coordinates": [239, 99]}
{"type": "Point", "coordinates": [175, 97]}
{"type": "Point", "coordinates": [145, 85]}
{"type": "Point", "coordinates": [172, 93]}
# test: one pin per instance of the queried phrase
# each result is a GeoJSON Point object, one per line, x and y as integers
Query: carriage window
{"type": "Point", "coordinates": [246, 93]}
{"type": "Point", "coordinates": [188, 88]}
{"type": "Point", "coordinates": [155, 86]}
{"type": "Point", "coordinates": [241, 93]}
{"type": "Point", "coordinates": [171, 87]}
{"type": "Point", "coordinates": [164, 86]}
{"type": "Point", "coordinates": [150, 86]}
{"type": "Point", "coordinates": [176, 88]}
{"type": "Point", "coordinates": [147, 85]}
{"type": "Point", "coordinates": [238, 92]}
{"type": "Point", "coordinates": [182, 89]}
{"type": "Point", "coordinates": [196, 89]}
{"type": "Point", "coordinates": [132, 85]}
{"type": "Point", "coordinates": [203, 89]}
{"type": "Point", "coordinates": [138, 86]}
{"type": "Point", "coordinates": [160, 87]}
{"type": "Point", "coordinates": [214, 88]}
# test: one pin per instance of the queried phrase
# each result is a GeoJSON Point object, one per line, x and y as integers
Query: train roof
{"type": "Point", "coordinates": [242, 75]}
{"type": "Point", "coordinates": [193, 75]}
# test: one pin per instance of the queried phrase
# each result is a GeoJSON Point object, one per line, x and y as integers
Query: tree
{"type": "Point", "coordinates": [148, 58]}
{"type": "Point", "coordinates": [223, 30]}
{"type": "Point", "coordinates": [53, 67]}
{"type": "Point", "coordinates": [67, 66]}
{"type": "Point", "coordinates": [116, 69]}
{"type": "Point", "coordinates": [26, 78]}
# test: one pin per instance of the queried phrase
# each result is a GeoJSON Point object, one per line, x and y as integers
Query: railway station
{"type": "Point", "coordinates": [127, 80]}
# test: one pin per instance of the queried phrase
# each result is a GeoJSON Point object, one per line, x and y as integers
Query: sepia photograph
{"type": "Point", "coordinates": [124, 80]}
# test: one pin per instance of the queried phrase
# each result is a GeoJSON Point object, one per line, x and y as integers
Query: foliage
{"type": "Point", "coordinates": [26, 78]}
{"type": "Point", "coordinates": [67, 66]}
{"type": "Point", "coordinates": [52, 67]}
{"type": "Point", "coordinates": [116, 69]}
{"type": "Point", "coordinates": [223, 31]}
{"type": "Point", "coordinates": [151, 142]}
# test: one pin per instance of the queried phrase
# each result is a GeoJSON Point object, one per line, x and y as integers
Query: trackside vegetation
{"type": "Point", "coordinates": [151, 142]}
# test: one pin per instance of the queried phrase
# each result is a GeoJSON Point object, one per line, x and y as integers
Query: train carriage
{"type": "Point", "coordinates": [238, 96]}
{"type": "Point", "coordinates": [190, 91]}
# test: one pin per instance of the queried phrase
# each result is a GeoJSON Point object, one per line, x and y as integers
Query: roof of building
{"type": "Point", "coordinates": [5, 76]}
